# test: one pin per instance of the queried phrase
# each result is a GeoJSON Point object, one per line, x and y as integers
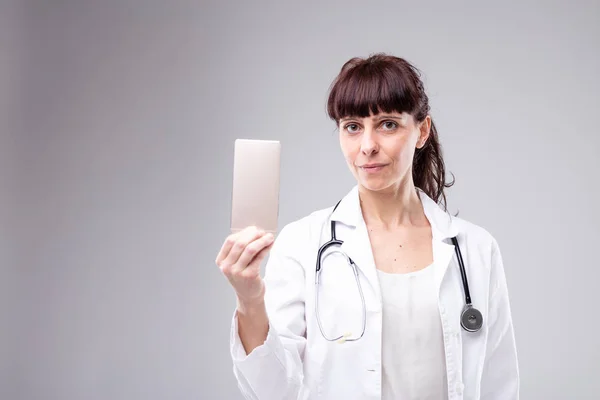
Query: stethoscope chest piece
{"type": "Point", "coordinates": [471, 319]}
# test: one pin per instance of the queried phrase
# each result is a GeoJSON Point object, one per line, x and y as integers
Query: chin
{"type": "Point", "coordinates": [375, 185]}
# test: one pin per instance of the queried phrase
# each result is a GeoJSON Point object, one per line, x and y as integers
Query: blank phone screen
{"type": "Point", "coordinates": [255, 196]}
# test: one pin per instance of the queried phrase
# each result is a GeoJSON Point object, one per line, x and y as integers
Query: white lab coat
{"type": "Point", "coordinates": [296, 362]}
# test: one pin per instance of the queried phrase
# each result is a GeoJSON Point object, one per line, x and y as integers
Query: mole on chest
{"type": "Point", "coordinates": [392, 254]}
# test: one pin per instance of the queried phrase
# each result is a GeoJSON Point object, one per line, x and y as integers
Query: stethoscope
{"type": "Point", "coordinates": [471, 318]}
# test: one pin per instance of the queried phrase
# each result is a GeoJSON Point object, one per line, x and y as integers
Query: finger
{"type": "Point", "coordinates": [226, 247]}
{"type": "Point", "coordinates": [253, 269]}
{"type": "Point", "coordinates": [230, 242]}
{"type": "Point", "coordinates": [245, 237]}
{"type": "Point", "coordinates": [252, 251]}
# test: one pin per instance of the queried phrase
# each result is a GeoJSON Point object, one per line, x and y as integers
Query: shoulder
{"type": "Point", "coordinates": [477, 238]}
{"type": "Point", "coordinates": [303, 232]}
{"type": "Point", "coordinates": [483, 253]}
{"type": "Point", "coordinates": [472, 230]}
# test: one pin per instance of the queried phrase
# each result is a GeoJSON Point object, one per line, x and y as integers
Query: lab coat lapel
{"type": "Point", "coordinates": [352, 230]}
{"type": "Point", "coordinates": [442, 256]}
{"type": "Point", "coordinates": [358, 248]}
{"type": "Point", "coordinates": [442, 229]}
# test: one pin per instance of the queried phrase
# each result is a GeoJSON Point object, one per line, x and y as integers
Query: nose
{"type": "Point", "coordinates": [369, 145]}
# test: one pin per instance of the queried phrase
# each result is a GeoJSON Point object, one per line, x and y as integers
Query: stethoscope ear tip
{"type": "Point", "coordinates": [344, 337]}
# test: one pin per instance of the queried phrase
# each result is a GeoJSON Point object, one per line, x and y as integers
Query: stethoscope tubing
{"type": "Point", "coordinates": [471, 318]}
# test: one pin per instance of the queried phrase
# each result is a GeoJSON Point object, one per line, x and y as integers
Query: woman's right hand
{"type": "Point", "coordinates": [239, 260]}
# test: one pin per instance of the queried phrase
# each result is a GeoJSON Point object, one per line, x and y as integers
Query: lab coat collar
{"type": "Point", "coordinates": [349, 212]}
{"type": "Point", "coordinates": [357, 242]}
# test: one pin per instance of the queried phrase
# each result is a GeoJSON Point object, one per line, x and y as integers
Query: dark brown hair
{"type": "Point", "coordinates": [384, 83]}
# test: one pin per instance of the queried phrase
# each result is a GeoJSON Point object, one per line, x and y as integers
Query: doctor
{"type": "Point", "coordinates": [381, 319]}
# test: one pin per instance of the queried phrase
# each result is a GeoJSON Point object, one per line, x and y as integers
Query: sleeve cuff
{"type": "Point", "coordinates": [238, 353]}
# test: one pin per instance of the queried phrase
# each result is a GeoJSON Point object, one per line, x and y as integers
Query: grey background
{"type": "Point", "coordinates": [116, 167]}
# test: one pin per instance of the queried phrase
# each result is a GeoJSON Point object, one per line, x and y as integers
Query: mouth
{"type": "Point", "coordinates": [372, 167]}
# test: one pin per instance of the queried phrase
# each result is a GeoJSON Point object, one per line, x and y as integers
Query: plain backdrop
{"type": "Point", "coordinates": [117, 149]}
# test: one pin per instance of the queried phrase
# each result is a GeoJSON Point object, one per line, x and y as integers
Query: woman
{"type": "Point", "coordinates": [390, 303]}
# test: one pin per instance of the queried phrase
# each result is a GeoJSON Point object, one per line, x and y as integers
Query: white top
{"type": "Point", "coordinates": [413, 360]}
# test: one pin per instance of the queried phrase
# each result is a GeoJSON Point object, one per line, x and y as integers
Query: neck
{"type": "Point", "coordinates": [392, 208]}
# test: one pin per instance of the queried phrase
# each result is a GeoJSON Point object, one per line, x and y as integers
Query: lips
{"type": "Point", "coordinates": [372, 168]}
{"type": "Point", "coordinates": [372, 165]}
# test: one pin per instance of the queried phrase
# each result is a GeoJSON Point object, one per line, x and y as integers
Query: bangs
{"type": "Point", "coordinates": [371, 88]}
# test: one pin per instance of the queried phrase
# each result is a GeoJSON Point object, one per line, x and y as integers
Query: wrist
{"type": "Point", "coordinates": [250, 306]}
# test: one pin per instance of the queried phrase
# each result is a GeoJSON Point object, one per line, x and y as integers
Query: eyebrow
{"type": "Point", "coordinates": [379, 117]}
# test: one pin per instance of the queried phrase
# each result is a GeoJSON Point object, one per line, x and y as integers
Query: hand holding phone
{"type": "Point", "coordinates": [254, 213]}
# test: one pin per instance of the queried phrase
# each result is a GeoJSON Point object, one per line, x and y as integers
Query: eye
{"type": "Point", "coordinates": [351, 128]}
{"type": "Point", "coordinates": [389, 125]}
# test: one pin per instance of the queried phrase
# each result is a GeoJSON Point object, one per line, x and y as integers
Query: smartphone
{"type": "Point", "coordinates": [255, 195]}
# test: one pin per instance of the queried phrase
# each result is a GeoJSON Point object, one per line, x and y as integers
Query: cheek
{"type": "Point", "coordinates": [348, 150]}
{"type": "Point", "coordinates": [350, 158]}
{"type": "Point", "coordinates": [408, 153]}
{"type": "Point", "coordinates": [403, 158]}
{"type": "Point", "coordinates": [407, 157]}
{"type": "Point", "coordinates": [403, 152]}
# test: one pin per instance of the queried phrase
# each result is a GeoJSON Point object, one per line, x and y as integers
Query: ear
{"type": "Point", "coordinates": [424, 130]}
